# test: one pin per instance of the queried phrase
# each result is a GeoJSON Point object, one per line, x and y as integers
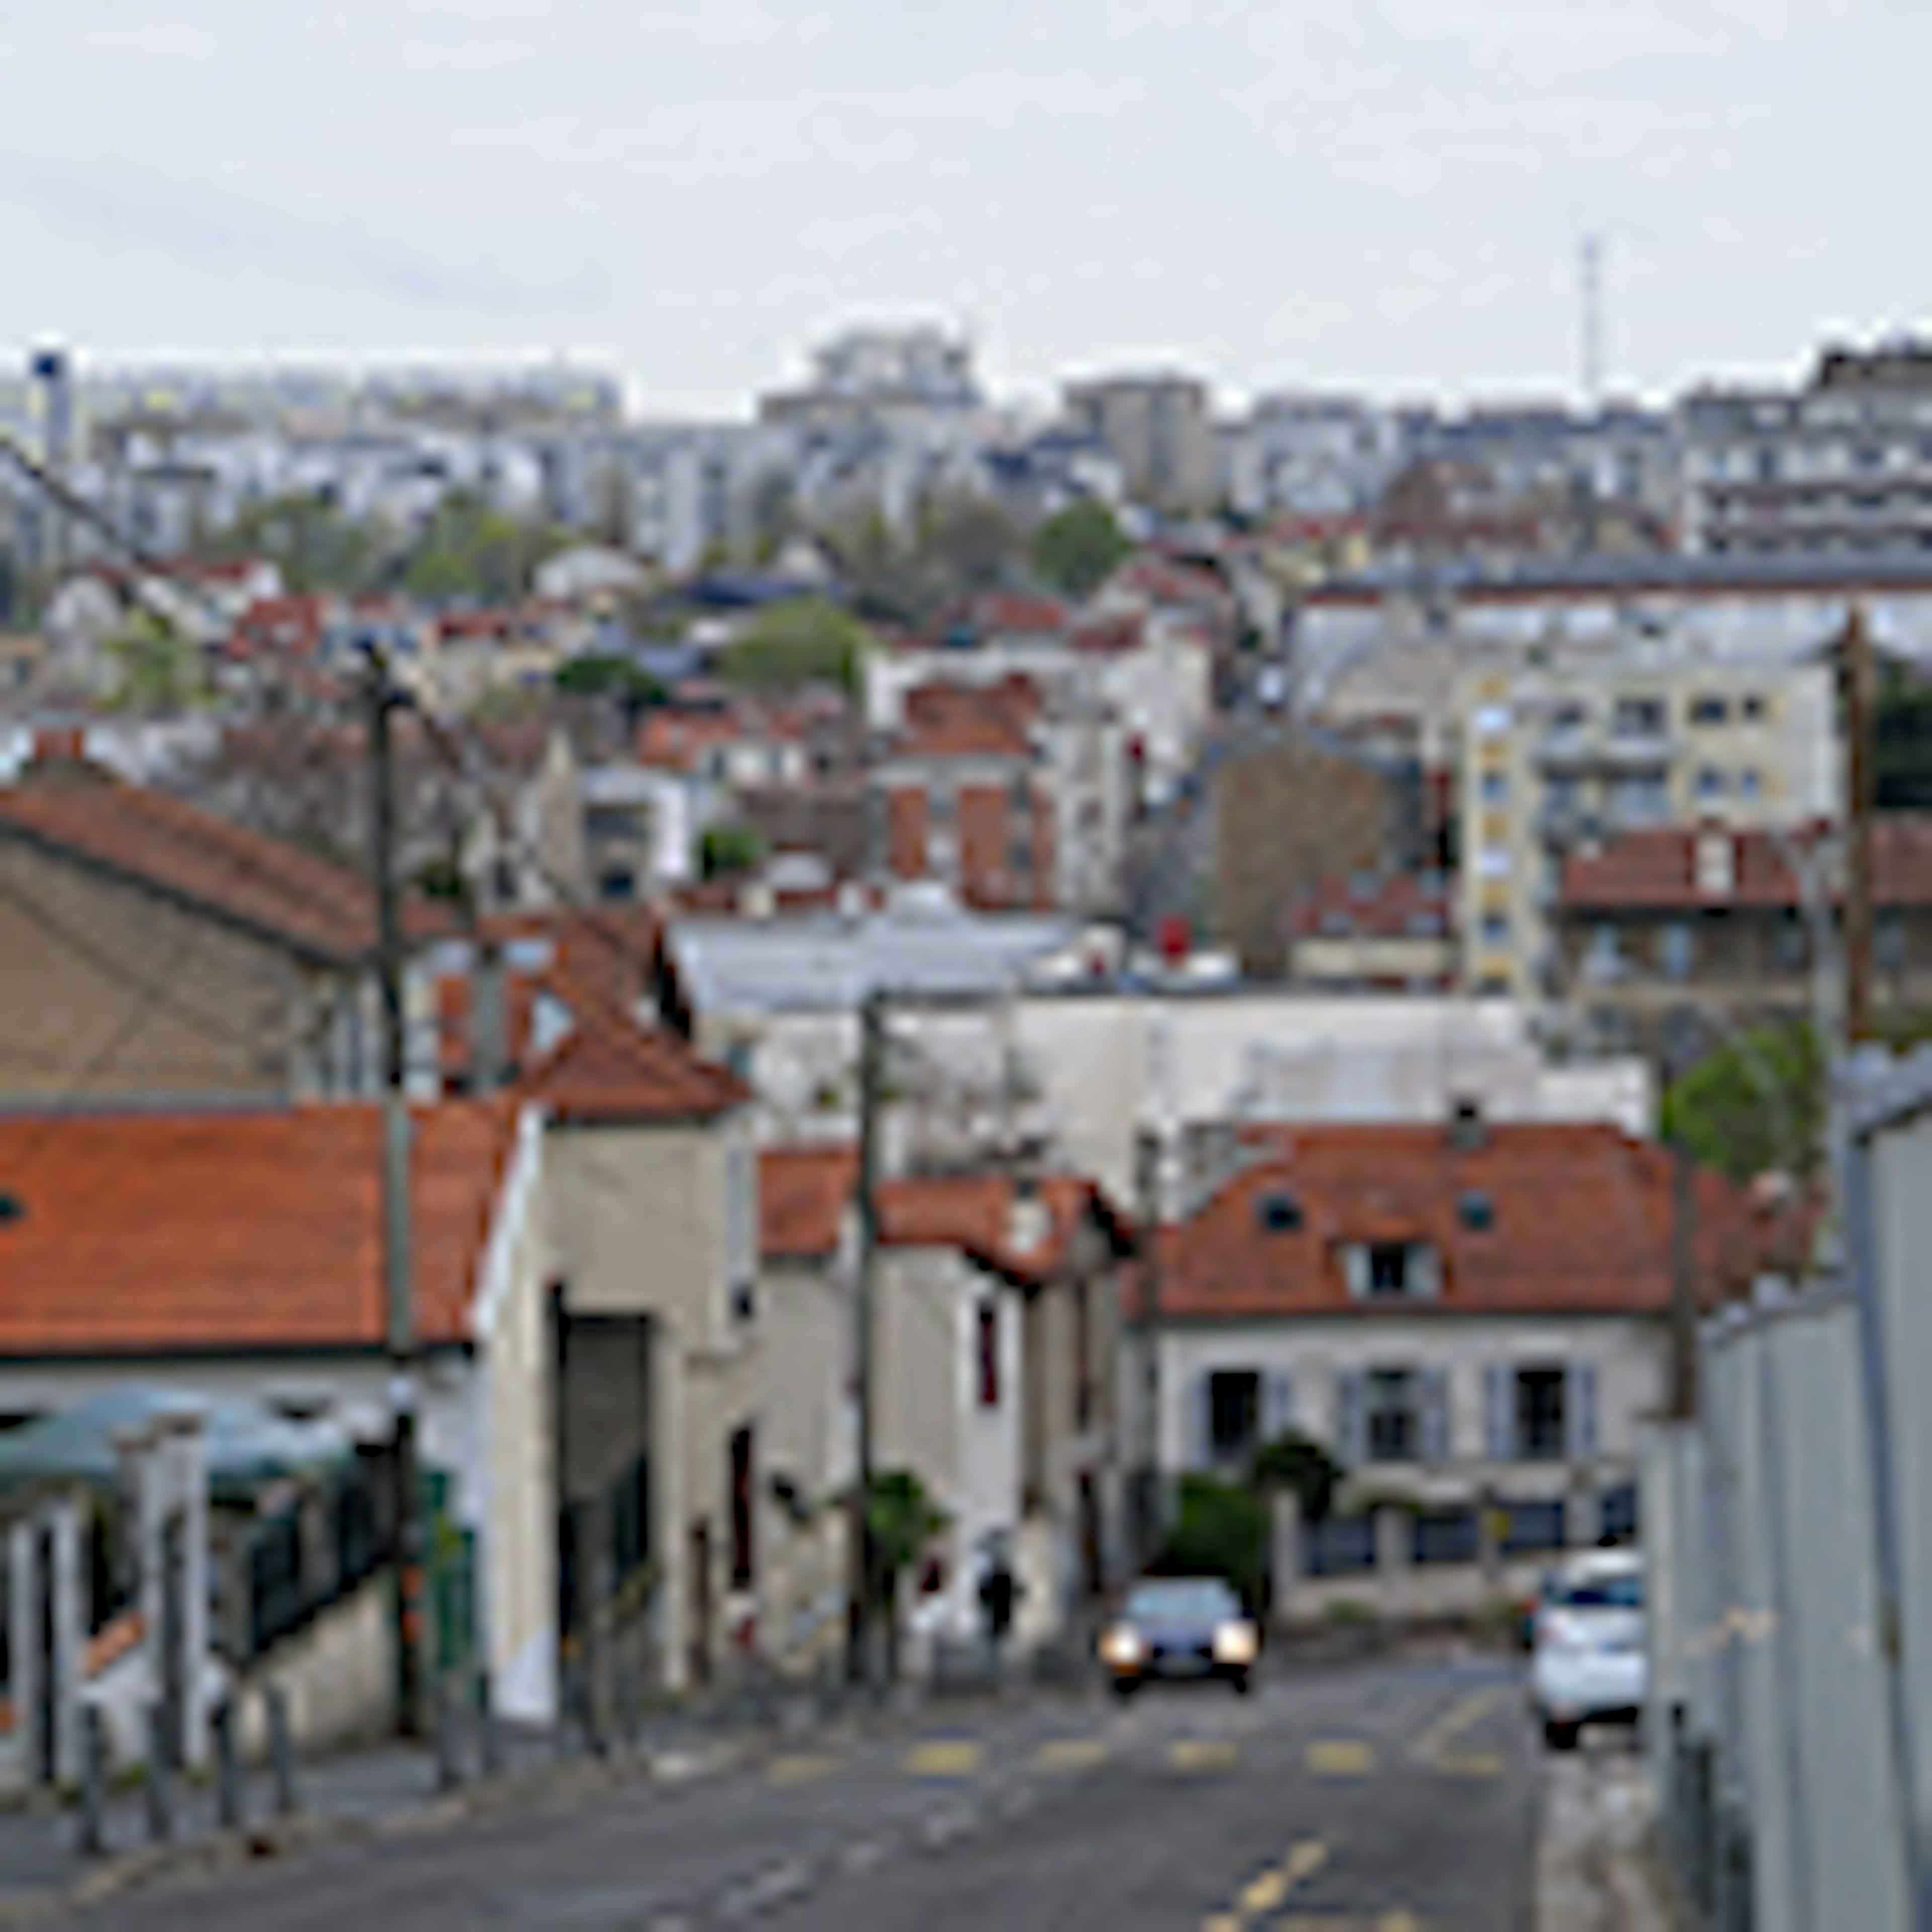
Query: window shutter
{"type": "Point", "coordinates": [1355, 1271]}
{"type": "Point", "coordinates": [1277, 1403]}
{"type": "Point", "coordinates": [1498, 1444]}
{"type": "Point", "coordinates": [1580, 1389]}
{"type": "Point", "coordinates": [1435, 1446]}
{"type": "Point", "coordinates": [1203, 1456]}
{"type": "Point", "coordinates": [1351, 1420]}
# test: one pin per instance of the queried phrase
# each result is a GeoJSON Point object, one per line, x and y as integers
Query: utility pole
{"type": "Point", "coordinates": [864, 1579]}
{"type": "Point", "coordinates": [1857, 680]}
{"type": "Point", "coordinates": [1147, 1211]}
{"type": "Point", "coordinates": [398, 1267]}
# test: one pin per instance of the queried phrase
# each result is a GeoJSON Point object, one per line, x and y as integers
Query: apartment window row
{"type": "Point", "coordinates": [1398, 1412]}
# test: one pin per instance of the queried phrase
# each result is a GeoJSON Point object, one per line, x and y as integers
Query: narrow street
{"type": "Point", "coordinates": [1392, 1797]}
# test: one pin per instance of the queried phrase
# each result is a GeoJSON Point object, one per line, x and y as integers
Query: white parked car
{"type": "Point", "coordinates": [1591, 1657]}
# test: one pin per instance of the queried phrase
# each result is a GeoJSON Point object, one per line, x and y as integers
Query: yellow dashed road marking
{"type": "Point", "coordinates": [1470, 1764]}
{"type": "Point", "coordinates": [797, 1767]}
{"type": "Point", "coordinates": [1070, 1754]}
{"type": "Point", "coordinates": [1221, 1921]}
{"type": "Point", "coordinates": [1432, 1746]}
{"type": "Point", "coordinates": [1203, 1754]}
{"type": "Point", "coordinates": [1265, 1893]}
{"type": "Point", "coordinates": [1306, 1859]}
{"type": "Point", "coordinates": [1340, 1757]}
{"type": "Point", "coordinates": [945, 1757]}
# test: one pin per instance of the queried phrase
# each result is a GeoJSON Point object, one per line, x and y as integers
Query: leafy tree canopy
{"type": "Point", "coordinates": [728, 851]}
{"type": "Point", "coordinates": [1221, 1530]}
{"type": "Point", "coordinates": [602, 675]}
{"type": "Point", "coordinates": [1078, 548]}
{"type": "Point", "coordinates": [1293, 1461]}
{"type": "Point", "coordinates": [803, 641]}
{"type": "Point", "coordinates": [902, 1517]}
{"type": "Point", "coordinates": [156, 668]}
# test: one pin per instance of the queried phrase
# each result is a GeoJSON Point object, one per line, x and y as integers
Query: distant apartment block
{"type": "Point", "coordinates": [1669, 938]}
{"type": "Point", "coordinates": [961, 797]}
{"type": "Point", "coordinates": [1841, 467]}
{"type": "Point", "coordinates": [1557, 758]}
{"type": "Point", "coordinates": [1159, 431]}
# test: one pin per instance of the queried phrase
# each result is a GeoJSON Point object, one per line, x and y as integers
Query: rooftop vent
{"type": "Point", "coordinates": [12, 1208]}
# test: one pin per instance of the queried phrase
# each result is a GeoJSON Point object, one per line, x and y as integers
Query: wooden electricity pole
{"type": "Point", "coordinates": [1857, 682]}
{"type": "Point", "coordinates": [383, 700]}
{"type": "Point", "coordinates": [863, 1587]}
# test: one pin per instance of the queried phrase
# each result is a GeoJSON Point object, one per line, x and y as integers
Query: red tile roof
{"type": "Point", "coordinates": [184, 1234]}
{"type": "Point", "coordinates": [1579, 1222]}
{"type": "Point", "coordinates": [1686, 868]}
{"type": "Point", "coordinates": [804, 1192]}
{"type": "Point", "coordinates": [274, 889]}
{"type": "Point", "coordinates": [966, 720]}
{"type": "Point", "coordinates": [608, 1073]}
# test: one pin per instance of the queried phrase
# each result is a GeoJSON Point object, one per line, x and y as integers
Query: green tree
{"type": "Point", "coordinates": [1755, 1105]}
{"type": "Point", "coordinates": [902, 1517]}
{"type": "Point", "coordinates": [966, 544]}
{"type": "Point", "coordinates": [803, 641]}
{"type": "Point", "coordinates": [315, 545]}
{"type": "Point", "coordinates": [602, 675]}
{"type": "Point", "coordinates": [1221, 1529]}
{"type": "Point", "coordinates": [468, 548]}
{"type": "Point", "coordinates": [729, 851]}
{"type": "Point", "coordinates": [1293, 1461]}
{"type": "Point", "coordinates": [1078, 548]}
{"type": "Point", "coordinates": [156, 668]}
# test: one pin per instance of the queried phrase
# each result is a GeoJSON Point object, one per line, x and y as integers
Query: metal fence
{"type": "Point", "coordinates": [1790, 1530]}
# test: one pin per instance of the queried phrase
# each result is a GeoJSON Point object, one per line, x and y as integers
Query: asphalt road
{"type": "Point", "coordinates": [1387, 1798]}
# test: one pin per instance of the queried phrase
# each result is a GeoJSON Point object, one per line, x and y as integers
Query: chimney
{"type": "Point", "coordinates": [1029, 1219]}
{"type": "Point", "coordinates": [1716, 864]}
{"type": "Point", "coordinates": [489, 1020]}
{"type": "Point", "coordinates": [1468, 1129]}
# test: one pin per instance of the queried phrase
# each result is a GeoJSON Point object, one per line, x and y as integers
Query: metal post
{"type": "Point", "coordinates": [448, 1753]}
{"type": "Point", "coordinates": [228, 1792]}
{"type": "Point", "coordinates": [1147, 1207]}
{"type": "Point", "coordinates": [158, 1784]}
{"type": "Point", "coordinates": [93, 1783]}
{"type": "Point", "coordinates": [1856, 681]}
{"type": "Point", "coordinates": [398, 1266]}
{"type": "Point", "coordinates": [864, 1585]}
{"type": "Point", "coordinates": [281, 1751]}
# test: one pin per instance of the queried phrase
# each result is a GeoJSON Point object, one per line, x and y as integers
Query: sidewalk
{"type": "Point", "coordinates": [1594, 1868]}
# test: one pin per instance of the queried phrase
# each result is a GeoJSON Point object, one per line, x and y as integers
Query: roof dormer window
{"type": "Point", "coordinates": [1392, 1271]}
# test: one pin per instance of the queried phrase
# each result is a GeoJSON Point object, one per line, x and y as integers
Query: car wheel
{"type": "Point", "coordinates": [1560, 1736]}
{"type": "Point", "coordinates": [1124, 1687]}
{"type": "Point", "coordinates": [1240, 1681]}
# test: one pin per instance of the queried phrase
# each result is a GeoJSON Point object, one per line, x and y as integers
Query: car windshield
{"type": "Point", "coordinates": [1598, 1593]}
{"type": "Point", "coordinates": [1190, 1601]}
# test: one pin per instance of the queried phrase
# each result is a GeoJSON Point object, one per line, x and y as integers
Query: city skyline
{"type": "Point", "coordinates": [1393, 198]}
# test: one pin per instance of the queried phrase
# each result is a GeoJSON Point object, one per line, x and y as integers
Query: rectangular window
{"type": "Point", "coordinates": [1392, 1415]}
{"type": "Point", "coordinates": [989, 1355]}
{"type": "Point", "coordinates": [1710, 708]}
{"type": "Point", "coordinates": [1676, 950]}
{"type": "Point", "coordinates": [1542, 1420]}
{"type": "Point", "coordinates": [1234, 1414]}
{"type": "Point", "coordinates": [1638, 717]}
{"type": "Point", "coordinates": [743, 1564]}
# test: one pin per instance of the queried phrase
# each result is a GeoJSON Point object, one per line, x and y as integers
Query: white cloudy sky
{"type": "Point", "coordinates": [1387, 193]}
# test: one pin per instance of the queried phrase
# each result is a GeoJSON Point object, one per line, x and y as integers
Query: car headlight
{"type": "Point", "coordinates": [1122, 1648]}
{"type": "Point", "coordinates": [1235, 1643]}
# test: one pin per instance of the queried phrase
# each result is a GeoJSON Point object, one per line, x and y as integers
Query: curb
{"type": "Point", "coordinates": [122, 1872]}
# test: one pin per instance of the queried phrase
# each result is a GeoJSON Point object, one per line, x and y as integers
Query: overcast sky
{"type": "Point", "coordinates": [1390, 194]}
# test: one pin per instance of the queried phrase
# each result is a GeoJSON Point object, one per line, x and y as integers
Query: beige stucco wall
{"type": "Point", "coordinates": [227, 1014]}
{"type": "Point", "coordinates": [1629, 1354]}
{"type": "Point", "coordinates": [642, 1223]}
